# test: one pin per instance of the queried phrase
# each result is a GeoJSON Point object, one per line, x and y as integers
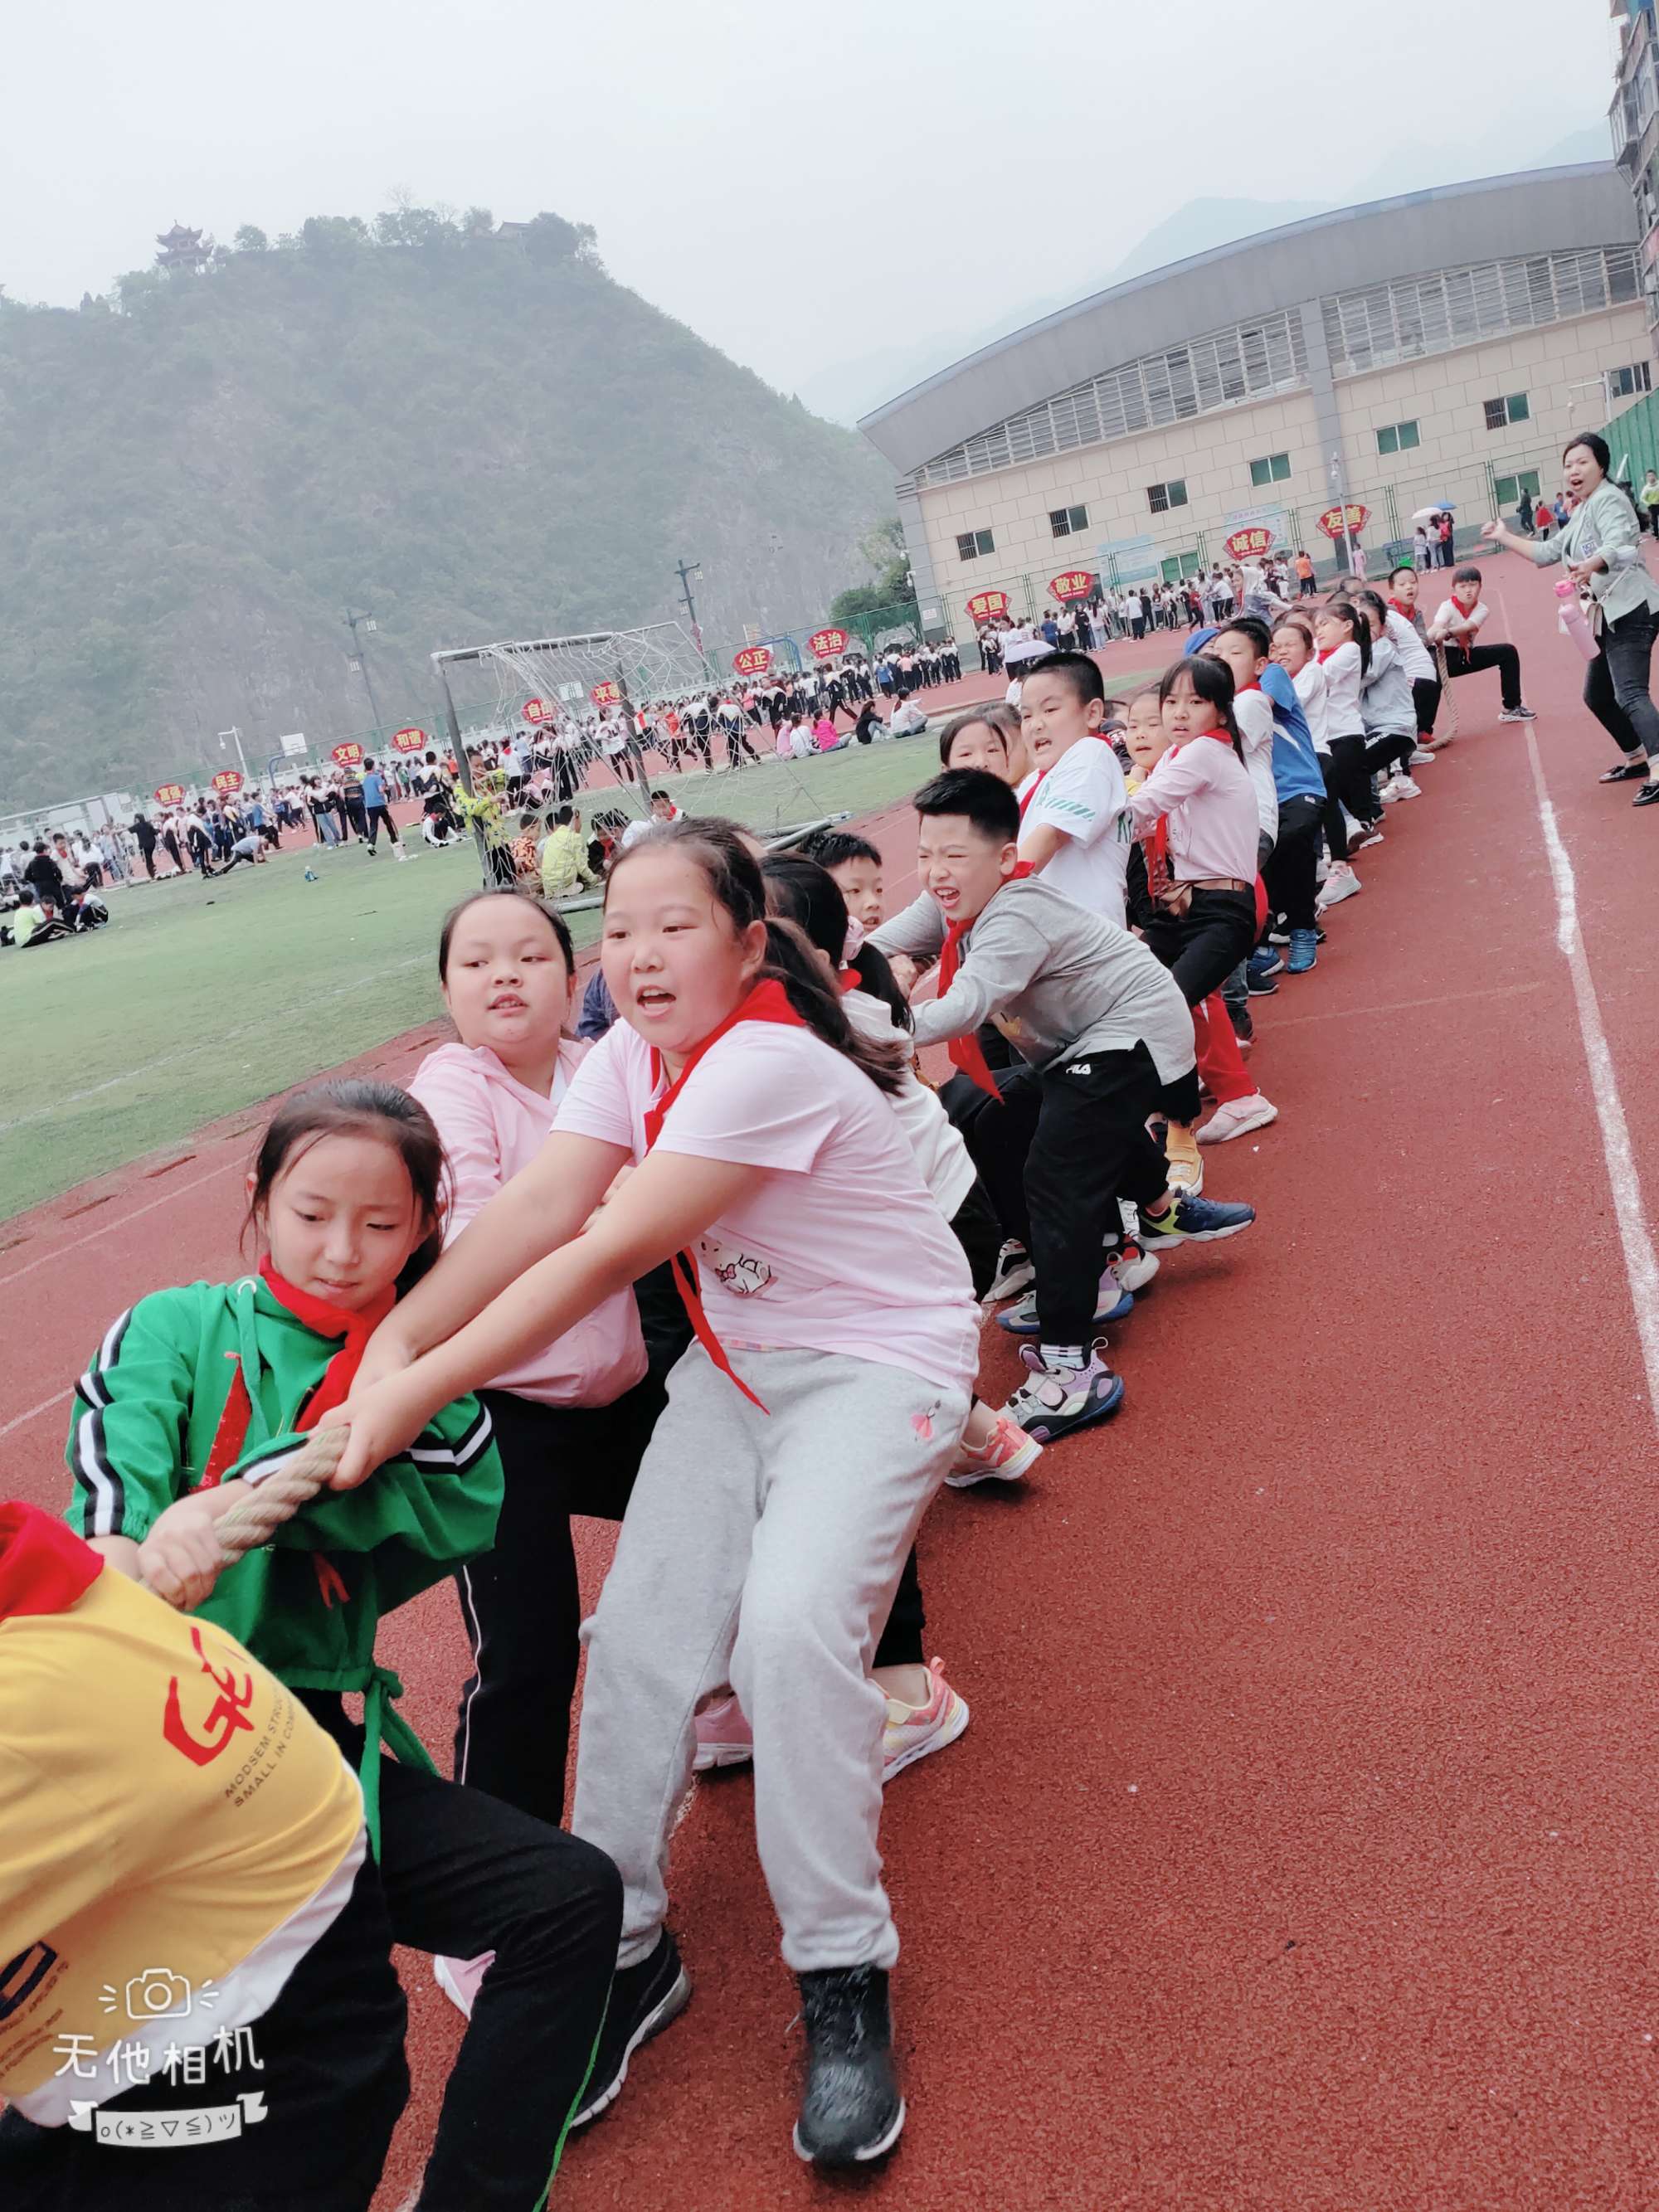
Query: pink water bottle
{"type": "Point", "coordinates": [1574, 621]}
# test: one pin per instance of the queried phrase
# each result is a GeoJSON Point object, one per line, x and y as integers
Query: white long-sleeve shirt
{"type": "Point", "coordinates": [1342, 679]}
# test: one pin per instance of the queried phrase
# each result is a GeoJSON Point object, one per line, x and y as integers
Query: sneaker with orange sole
{"type": "Point", "coordinates": [1006, 1457]}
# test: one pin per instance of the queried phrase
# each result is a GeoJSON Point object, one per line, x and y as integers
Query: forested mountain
{"type": "Point", "coordinates": [469, 433]}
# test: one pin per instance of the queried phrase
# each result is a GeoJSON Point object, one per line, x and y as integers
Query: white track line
{"type": "Point", "coordinates": [21, 1420]}
{"type": "Point", "coordinates": [1640, 1265]}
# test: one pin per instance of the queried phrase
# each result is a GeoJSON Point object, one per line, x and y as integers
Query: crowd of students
{"type": "Point", "coordinates": [658, 1264]}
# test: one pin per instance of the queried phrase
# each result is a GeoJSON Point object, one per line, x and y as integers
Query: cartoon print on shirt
{"type": "Point", "coordinates": [739, 1271]}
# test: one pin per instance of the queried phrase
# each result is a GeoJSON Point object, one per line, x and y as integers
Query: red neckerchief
{"type": "Point", "coordinates": [1402, 608]}
{"type": "Point", "coordinates": [1325, 652]}
{"type": "Point", "coordinates": [44, 1566]}
{"type": "Point", "coordinates": [964, 1051]}
{"type": "Point", "coordinates": [1031, 794]}
{"type": "Point", "coordinates": [849, 980]}
{"type": "Point", "coordinates": [354, 1329]}
{"type": "Point", "coordinates": [767, 1002]}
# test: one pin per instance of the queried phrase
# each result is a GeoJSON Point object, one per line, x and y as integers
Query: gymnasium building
{"type": "Point", "coordinates": [1438, 347]}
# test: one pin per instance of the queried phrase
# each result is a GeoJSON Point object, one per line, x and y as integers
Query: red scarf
{"type": "Point", "coordinates": [767, 1002]}
{"type": "Point", "coordinates": [964, 1051]}
{"type": "Point", "coordinates": [1031, 794]}
{"type": "Point", "coordinates": [354, 1329]}
{"type": "Point", "coordinates": [1400, 608]}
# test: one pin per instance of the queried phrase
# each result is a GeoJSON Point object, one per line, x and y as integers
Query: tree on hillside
{"type": "Point", "coordinates": [891, 593]}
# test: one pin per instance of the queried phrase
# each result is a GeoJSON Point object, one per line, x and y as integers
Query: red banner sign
{"type": "Point", "coordinates": [228, 780]}
{"type": "Point", "coordinates": [1331, 522]}
{"type": "Point", "coordinates": [753, 660]}
{"type": "Point", "coordinates": [350, 755]}
{"type": "Point", "coordinates": [169, 794]}
{"type": "Point", "coordinates": [1075, 584]}
{"type": "Point", "coordinates": [605, 695]}
{"type": "Point", "coordinates": [984, 604]}
{"type": "Point", "coordinates": [537, 710]}
{"type": "Point", "coordinates": [827, 643]}
{"type": "Point", "coordinates": [408, 741]}
{"type": "Point", "coordinates": [1245, 545]}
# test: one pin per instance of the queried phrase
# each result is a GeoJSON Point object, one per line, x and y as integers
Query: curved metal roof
{"type": "Point", "coordinates": [1537, 212]}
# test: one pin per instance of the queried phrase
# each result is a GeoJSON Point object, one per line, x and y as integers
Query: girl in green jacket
{"type": "Point", "coordinates": [193, 1396]}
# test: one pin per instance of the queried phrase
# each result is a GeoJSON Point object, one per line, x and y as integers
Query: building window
{"type": "Point", "coordinates": [972, 543]}
{"type": "Point", "coordinates": [1397, 438]}
{"type": "Point", "coordinates": [1512, 408]}
{"type": "Point", "coordinates": [1510, 488]}
{"type": "Point", "coordinates": [1627, 383]}
{"type": "Point", "coordinates": [1271, 469]}
{"type": "Point", "coordinates": [1162, 497]}
{"type": "Point", "coordinates": [1177, 565]}
{"type": "Point", "coordinates": [1068, 521]}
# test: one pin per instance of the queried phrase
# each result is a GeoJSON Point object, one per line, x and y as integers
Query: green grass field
{"type": "Point", "coordinates": [201, 998]}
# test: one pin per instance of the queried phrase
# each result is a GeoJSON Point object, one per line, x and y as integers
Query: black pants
{"type": "Point", "coordinates": [1291, 870]}
{"type": "Point", "coordinates": [148, 854]}
{"type": "Point", "coordinates": [1616, 684]}
{"type": "Point", "coordinates": [1201, 947]}
{"type": "Point", "coordinates": [1389, 751]}
{"type": "Point", "coordinates": [1346, 784]}
{"type": "Point", "coordinates": [737, 744]}
{"type": "Point", "coordinates": [463, 1873]}
{"type": "Point", "coordinates": [375, 816]}
{"type": "Point", "coordinates": [328, 2060]}
{"type": "Point", "coordinates": [1470, 661]}
{"type": "Point", "coordinates": [1425, 697]}
{"type": "Point", "coordinates": [1089, 1147]}
{"type": "Point", "coordinates": [521, 1602]}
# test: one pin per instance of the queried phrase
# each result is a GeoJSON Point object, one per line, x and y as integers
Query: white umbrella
{"type": "Point", "coordinates": [1428, 513]}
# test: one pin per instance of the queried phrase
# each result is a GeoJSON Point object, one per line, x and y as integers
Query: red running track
{"type": "Point", "coordinates": [1300, 1852]}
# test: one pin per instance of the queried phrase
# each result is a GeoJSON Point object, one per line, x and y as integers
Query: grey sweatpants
{"type": "Point", "coordinates": [762, 1549]}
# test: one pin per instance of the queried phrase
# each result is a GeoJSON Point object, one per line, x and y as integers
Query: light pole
{"type": "Point", "coordinates": [1339, 485]}
{"type": "Point", "coordinates": [233, 732]}
{"type": "Point", "coordinates": [367, 622]}
{"type": "Point", "coordinates": [685, 570]}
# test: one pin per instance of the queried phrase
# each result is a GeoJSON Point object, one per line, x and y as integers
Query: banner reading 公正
{"type": "Point", "coordinates": [1332, 521]}
{"type": "Point", "coordinates": [753, 660]}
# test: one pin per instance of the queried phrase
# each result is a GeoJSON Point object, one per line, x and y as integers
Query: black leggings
{"type": "Point", "coordinates": [1616, 685]}
{"type": "Point", "coordinates": [374, 817]}
{"type": "Point", "coordinates": [1425, 697]}
{"type": "Point", "coordinates": [1290, 870]}
{"type": "Point", "coordinates": [1389, 751]}
{"type": "Point", "coordinates": [1346, 784]}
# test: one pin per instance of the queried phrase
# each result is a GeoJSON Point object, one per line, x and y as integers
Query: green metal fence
{"type": "Point", "coordinates": [1633, 440]}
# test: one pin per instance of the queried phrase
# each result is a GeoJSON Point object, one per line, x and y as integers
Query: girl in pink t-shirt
{"type": "Point", "coordinates": [805, 1431]}
{"type": "Point", "coordinates": [573, 1419]}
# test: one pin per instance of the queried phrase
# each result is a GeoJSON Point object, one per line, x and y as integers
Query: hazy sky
{"type": "Point", "coordinates": [798, 183]}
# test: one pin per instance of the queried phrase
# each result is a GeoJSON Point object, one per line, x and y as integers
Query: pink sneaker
{"type": "Point", "coordinates": [724, 1736]}
{"type": "Point", "coordinates": [458, 1979]}
{"type": "Point", "coordinates": [913, 1731]}
{"type": "Point", "coordinates": [1005, 1458]}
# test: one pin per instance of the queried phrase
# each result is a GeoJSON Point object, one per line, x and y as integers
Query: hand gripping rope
{"type": "Point", "coordinates": [254, 1519]}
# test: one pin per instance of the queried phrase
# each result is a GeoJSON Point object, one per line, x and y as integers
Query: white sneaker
{"type": "Point", "coordinates": [1132, 1265]}
{"type": "Point", "coordinates": [1421, 757]}
{"type": "Point", "coordinates": [1388, 794]}
{"type": "Point", "coordinates": [1405, 788]}
{"type": "Point", "coordinates": [1351, 828]}
{"type": "Point", "coordinates": [1340, 884]}
{"type": "Point", "coordinates": [1237, 1117]}
{"type": "Point", "coordinates": [1357, 843]}
{"type": "Point", "coordinates": [1014, 1273]}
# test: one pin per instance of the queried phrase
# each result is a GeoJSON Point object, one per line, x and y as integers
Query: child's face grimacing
{"type": "Point", "coordinates": [1146, 738]}
{"type": "Point", "coordinates": [962, 867]}
{"type": "Point", "coordinates": [1053, 718]}
{"type": "Point", "coordinates": [1240, 655]}
{"type": "Point", "coordinates": [1290, 650]}
{"type": "Point", "coordinates": [861, 886]}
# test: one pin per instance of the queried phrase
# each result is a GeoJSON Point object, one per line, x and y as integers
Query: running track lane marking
{"type": "Point", "coordinates": [21, 1420]}
{"type": "Point", "coordinates": [120, 1222]}
{"type": "Point", "coordinates": [1640, 1265]}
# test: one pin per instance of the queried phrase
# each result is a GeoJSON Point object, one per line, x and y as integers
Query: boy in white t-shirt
{"type": "Point", "coordinates": [1457, 624]}
{"type": "Point", "coordinates": [1075, 827]}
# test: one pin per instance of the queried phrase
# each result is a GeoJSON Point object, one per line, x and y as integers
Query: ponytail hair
{"type": "Point", "coordinates": [735, 882]}
{"type": "Point", "coordinates": [802, 891]}
{"type": "Point", "coordinates": [1358, 630]}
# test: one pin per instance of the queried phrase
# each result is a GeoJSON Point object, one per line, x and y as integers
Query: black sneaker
{"type": "Point", "coordinates": [643, 2000]}
{"type": "Point", "coordinates": [851, 2110]}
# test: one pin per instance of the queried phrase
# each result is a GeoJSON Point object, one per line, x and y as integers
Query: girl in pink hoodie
{"type": "Point", "coordinates": [572, 1423]}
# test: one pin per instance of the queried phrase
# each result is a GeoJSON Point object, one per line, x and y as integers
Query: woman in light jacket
{"type": "Point", "coordinates": [1602, 545]}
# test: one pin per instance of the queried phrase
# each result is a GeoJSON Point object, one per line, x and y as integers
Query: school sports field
{"type": "Point", "coordinates": [201, 998]}
{"type": "Point", "coordinates": [1299, 1856]}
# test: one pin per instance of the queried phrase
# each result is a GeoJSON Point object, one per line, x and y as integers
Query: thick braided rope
{"type": "Point", "coordinates": [253, 1520]}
